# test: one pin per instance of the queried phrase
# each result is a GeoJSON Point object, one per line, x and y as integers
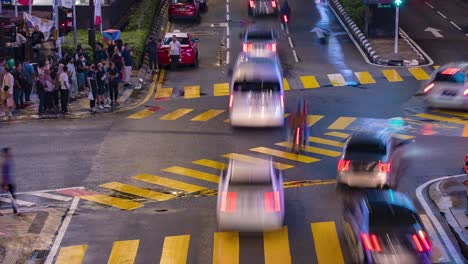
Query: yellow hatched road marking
{"type": "Point", "coordinates": [175, 249]}
{"type": "Point", "coordinates": [441, 118]}
{"type": "Point", "coordinates": [454, 113]}
{"type": "Point", "coordinates": [191, 92]}
{"type": "Point", "coordinates": [310, 149]}
{"type": "Point", "coordinates": [221, 89]}
{"type": "Point", "coordinates": [312, 119]}
{"type": "Point", "coordinates": [210, 114]}
{"type": "Point", "coordinates": [163, 93]}
{"type": "Point", "coordinates": [226, 248]}
{"type": "Point", "coordinates": [112, 201]}
{"type": "Point", "coordinates": [337, 134]}
{"type": "Point", "coordinates": [130, 189]}
{"type": "Point", "coordinates": [210, 163]}
{"type": "Point", "coordinates": [176, 114]}
{"type": "Point", "coordinates": [326, 141]}
{"type": "Point", "coordinates": [173, 184]}
{"type": "Point", "coordinates": [336, 79]}
{"type": "Point", "coordinates": [241, 157]}
{"type": "Point", "coordinates": [327, 245]}
{"type": "Point", "coordinates": [305, 183]}
{"type": "Point", "coordinates": [276, 246]}
{"type": "Point", "coordinates": [71, 255]}
{"type": "Point", "coordinates": [124, 252]}
{"type": "Point", "coordinates": [364, 77]}
{"type": "Point", "coordinates": [286, 115]}
{"type": "Point", "coordinates": [285, 155]}
{"type": "Point", "coordinates": [419, 73]}
{"type": "Point", "coordinates": [392, 75]}
{"type": "Point", "coordinates": [286, 84]}
{"type": "Point", "coordinates": [436, 67]}
{"type": "Point", "coordinates": [403, 136]}
{"type": "Point", "coordinates": [141, 114]}
{"type": "Point", "coordinates": [309, 82]}
{"type": "Point", "coordinates": [342, 123]}
{"type": "Point", "coordinates": [193, 173]}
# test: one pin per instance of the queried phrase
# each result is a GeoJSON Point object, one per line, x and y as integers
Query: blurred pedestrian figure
{"type": "Point", "coordinates": [64, 89]}
{"type": "Point", "coordinates": [29, 77]}
{"type": "Point", "coordinates": [49, 91]}
{"type": "Point", "coordinates": [99, 53]}
{"type": "Point", "coordinates": [81, 68]}
{"type": "Point", "coordinates": [113, 73]}
{"type": "Point", "coordinates": [41, 85]}
{"type": "Point", "coordinates": [7, 93]}
{"type": "Point", "coordinates": [20, 84]}
{"type": "Point", "coordinates": [119, 44]}
{"type": "Point", "coordinates": [152, 50]}
{"type": "Point", "coordinates": [18, 47]}
{"type": "Point", "coordinates": [118, 61]}
{"type": "Point", "coordinates": [110, 49]}
{"type": "Point", "coordinates": [73, 78]}
{"type": "Point", "coordinates": [92, 85]}
{"type": "Point", "coordinates": [127, 57]}
{"type": "Point", "coordinates": [100, 78]}
{"type": "Point", "coordinates": [174, 52]}
{"type": "Point", "coordinates": [37, 38]}
{"type": "Point", "coordinates": [7, 177]}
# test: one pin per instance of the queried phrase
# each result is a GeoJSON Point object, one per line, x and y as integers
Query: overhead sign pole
{"type": "Point", "coordinates": [57, 27]}
{"type": "Point", "coordinates": [397, 18]}
{"type": "Point", "coordinates": [30, 6]}
{"type": "Point", "coordinates": [16, 8]}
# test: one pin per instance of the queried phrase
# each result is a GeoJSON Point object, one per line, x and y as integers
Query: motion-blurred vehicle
{"type": "Point", "coordinates": [263, 7]}
{"type": "Point", "coordinates": [256, 37]}
{"type": "Point", "coordinates": [184, 9]}
{"type": "Point", "coordinates": [256, 91]}
{"type": "Point", "coordinates": [370, 160]}
{"type": "Point", "coordinates": [384, 227]}
{"type": "Point", "coordinates": [188, 46]}
{"type": "Point", "coordinates": [250, 196]}
{"type": "Point", "coordinates": [465, 163]}
{"type": "Point", "coordinates": [448, 87]}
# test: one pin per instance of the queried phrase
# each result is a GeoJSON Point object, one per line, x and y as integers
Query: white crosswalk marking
{"type": "Point", "coordinates": [19, 202]}
{"type": "Point", "coordinates": [52, 196]}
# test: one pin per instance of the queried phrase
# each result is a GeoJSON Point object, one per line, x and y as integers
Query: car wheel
{"type": "Point", "coordinates": [198, 19]}
{"type": "Point", "coordinates": [196, 62]}
{"type": "Point", "coordinates": [203, 6]}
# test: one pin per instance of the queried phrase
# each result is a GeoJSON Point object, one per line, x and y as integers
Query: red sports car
{"type": "Point", "coordinates": [465, 164]}
{"type": "Point", "coordinates": [188, 53]}
{"type": "Point", "coordinates": [184, 9]}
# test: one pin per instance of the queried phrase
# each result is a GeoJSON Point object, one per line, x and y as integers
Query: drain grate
{"type": "Point", "coordinates": [39, 254]}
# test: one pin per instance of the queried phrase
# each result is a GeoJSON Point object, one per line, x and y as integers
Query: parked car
{"type": "Point", "coordinates": [189, 49]}
{"type": "Point", "coordinates": [184, 9]}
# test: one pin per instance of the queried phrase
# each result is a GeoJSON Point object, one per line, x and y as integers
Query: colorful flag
{"type": "Point", "coordinates": [97, 13]}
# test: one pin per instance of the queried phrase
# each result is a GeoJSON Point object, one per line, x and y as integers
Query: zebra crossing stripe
{"type": "Point", "coordinates": [52, 196]}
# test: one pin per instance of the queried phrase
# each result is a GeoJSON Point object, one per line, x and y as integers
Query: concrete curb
{"type": "Point", "coordinates": [366, 45]}
{"type": "Point", "coordinates": [444, 205]}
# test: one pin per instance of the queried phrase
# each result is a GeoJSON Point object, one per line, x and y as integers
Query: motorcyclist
{"type": "Point", "coordinates": [299, 120]}
{"type": "Point", "coordinates": [285, 11]}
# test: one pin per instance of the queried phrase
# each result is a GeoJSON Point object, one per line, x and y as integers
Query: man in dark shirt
{"type": "Point", "coordinates": [37, 38]}
{"type": "Point", "coordinates": [152, 49]}
{"type": "Point", "coordinates": [99, 54]}
{"type": "Point", "coordinates": [127, 57]}
{"type": "Point", "coordinates": [8, 184]}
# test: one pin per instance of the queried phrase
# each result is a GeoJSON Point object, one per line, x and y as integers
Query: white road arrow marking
{"type": "Point", "coordinates": [319, 32]}
{"type": "Point", "coordinates": [435, 32]}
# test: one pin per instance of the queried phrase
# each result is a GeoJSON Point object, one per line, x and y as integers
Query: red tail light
{"type": "Point", "coordinates": [343, 165]}
{"type": "Point", "coordinates": [272, 202]}
{"type": "Point", "coordinates": [252, 4]}
{"type": "Point", "coordinates": [273, 47]}
{"type": "Point", "coordinates": [285, 18]}
{"type": "Point", "coordinates": [429, 87]}
{"type": "Point", "coordinates": [231, 100]}
{"type": "Point", "coordinates": [273, 4]}
{"type": "Point", "coordinates": [298, 132]}
{"type": "Point", "coordinates": [247, 47]}
{"type": "Point", "coordinates": [384, 167]}
{"type": "Point", "coordinates": [417, 243]}
{"type": "Point", "coordinates": [425, 240]}
{"type": "Point", "coordinates": [371, 242]}
{"type": "Point", "coordinates": [282, 101]}
{"type": "Point", "coordinates": [451, 71]}
{"type": "Point", "coordinates": [228, 202]}
{"type": "Point", "coordinates": [465, 92]}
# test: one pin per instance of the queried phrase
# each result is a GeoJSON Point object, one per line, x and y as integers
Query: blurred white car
{"type": "Point", "coordinates": [448, 87]}
{"type": "Point", "coordinates": [250, 197]}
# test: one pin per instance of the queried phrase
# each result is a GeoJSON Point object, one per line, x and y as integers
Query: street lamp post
{"type": "Point", "coordinates": [397, 18]}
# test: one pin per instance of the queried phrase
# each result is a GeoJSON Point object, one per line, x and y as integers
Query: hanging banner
{"type": "Point", "coordinates": [97, 13]}
{"type": "Point", "coordinates": [44, 25]}
{"type": "Point", "coordinates": [67, 3]}
{"type": "Point", "coordinates": [25, 2]}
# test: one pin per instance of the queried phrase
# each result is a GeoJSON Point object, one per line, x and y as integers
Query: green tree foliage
{"type": "Point", "coordinates": [356, 10]}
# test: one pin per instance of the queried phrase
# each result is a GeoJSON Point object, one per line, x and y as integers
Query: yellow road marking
{"type": "Point", "coordinates": [241, 157]}
{"type": "Point", "coordinates": [454, 113]}
{"type": "Point", "coordinates": [324, 141]}
{"type": "Point", "coordinates": [210, 163]}
{"type": "Point", "coordinates": [141, 114]}
{"type": "Point", "coordinates": [436, 67]}
{"type": "Point", "coordinates": [163, 93]}
{"type": "Point", "coordinates": [441, 118]}
{"type": "Point", "coordinates": [151, 90]}
{"type": "Point", "coordinates": [191, 92]}
{"type": "Point", "coordinates": [276, 246]}
{"type": "Point", "coordinates": [210, 114]}
{"type": "Point", "coordinates": [327, 245]}
{"type": "Point", "coordinates": [175, 249]}
{"type": "Point", "coordinates": [309, 82]}
{"type": "Point", "coordinates": [226, 248]}
{"type": "Point", "coordinates": [124, 252]}
{"type": "Point", "coordinates": [285, 155]}
{"type": "Point", "coordinates": [71, 255]}
{"type": "Point", "coordinates": [193, 174]}
{"type": "Point", "coordinates": [392, 75]}
{"type": "Point", "coordinates": [403, 136]}
{"type": "Point", "coordinates": [227, 120]}
{"type": "Point", "coordinates": [465, 131]}
{"type": "Point", "coordinates": [173, 184]}
{"type": "Point", "coordinates": [286, 115]}
{"type": "Point", "coordinates": [336, 79]}
{"type": "Point", "coordinates": [176, 114]}
{"type": "Point", "coordinates": [310, 149]}
{"type": "Point", "coordinates": [112, 201]}
{"type": "Point", "coordinates": [130, 189]}
{"type": "Point", "coordinates": [221, 89]}
{"type": "Point", "coordinates": [286, 84]}
{"type": "Point", "coordinates": [312, 119]}
{"type": "Point", "coordinates": [364, 77]}
{"type": "Point", "coordinates": [305, 183]}
{"type": "Point", "coordinates": [337, 134]}
{"type": "Point", "coordinates": [419, 73]}
{"type": "Point", "coordinates": [342, 123]}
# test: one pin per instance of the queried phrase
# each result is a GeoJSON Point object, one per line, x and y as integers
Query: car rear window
{"type": "Point", "coordinates": [455, 78]}
{"type": "Point", "coordinates": [259, 86]}
{"type": "Point", "coordinates": [382, 214]}
{"type": "Point", "coordinates": [259, 35]}
{"type": "Point", "coordinates": [183, 41]}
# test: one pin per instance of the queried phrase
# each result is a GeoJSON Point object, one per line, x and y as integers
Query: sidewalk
{"type": "Point", "coordinates": [450, 197]}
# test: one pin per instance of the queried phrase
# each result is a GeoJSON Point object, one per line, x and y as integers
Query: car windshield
{"type": "Point", "coordinates": [382, 214]}
{"type": "Point", "coordinates": [454, 78]}
{"type": "Point", "coordinates": [258, 86]}
{"type": "Point", "coordinates": [183, 41]}
{"type": "Point", "coordinates": [259, 35]}
{"type": "Point", "coordinates": [182, 1]}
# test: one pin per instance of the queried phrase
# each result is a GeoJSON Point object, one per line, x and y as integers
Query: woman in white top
{"type": "Point", "coordinates": [73, 78]}
{"type": "Point", "coordinates": [7, 92]}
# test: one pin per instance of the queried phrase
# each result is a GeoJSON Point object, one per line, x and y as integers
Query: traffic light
{"type": "Point", "coordinates": [398, 2]}
{"type": "Point", "coordinates": [65, 18]}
